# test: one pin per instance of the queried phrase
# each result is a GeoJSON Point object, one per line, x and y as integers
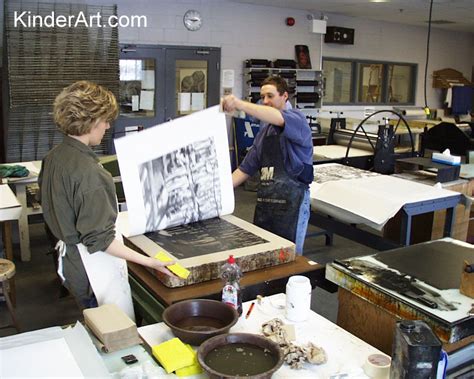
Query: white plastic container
{"type": "Point", "coordinates": [298, 298]}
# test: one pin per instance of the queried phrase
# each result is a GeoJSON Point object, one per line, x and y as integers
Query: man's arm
{"type": "Point", "coordinates": [264, 113]}
{"type": "Point", "coordinates": [238, 177]}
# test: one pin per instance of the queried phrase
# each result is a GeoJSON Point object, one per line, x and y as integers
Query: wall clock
{"type": "Point", "coordinates": [192, 20]}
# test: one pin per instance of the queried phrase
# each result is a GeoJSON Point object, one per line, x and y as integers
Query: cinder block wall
{"type": "Point", "coordinates": [249, 31]}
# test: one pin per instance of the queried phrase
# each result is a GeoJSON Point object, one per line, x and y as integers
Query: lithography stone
{"type": "Point", "coordinates": [203, 247]}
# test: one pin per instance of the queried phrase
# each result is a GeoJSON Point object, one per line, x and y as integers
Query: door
{"type": "Point", "coordinates": [192, 80]}
{"type": "Point", "coordinates": [159, 83]}
{"type": "Point", "coordinates": [142, 88]}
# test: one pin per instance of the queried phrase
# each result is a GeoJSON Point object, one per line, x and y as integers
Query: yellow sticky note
{"type": "Point", "coordinates": [177, 269]}
{"type": "Point", "coordinates": [173, 355]}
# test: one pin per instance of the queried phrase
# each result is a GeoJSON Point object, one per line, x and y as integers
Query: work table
{"type": "Point", "coordinates": [71, 350]}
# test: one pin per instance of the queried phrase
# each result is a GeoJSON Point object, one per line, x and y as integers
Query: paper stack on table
{"type": "Point", "coordinates": [114, 329]}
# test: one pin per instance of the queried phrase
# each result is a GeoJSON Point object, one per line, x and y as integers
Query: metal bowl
{"type": "Point", "coordinates": [194, 321]}
{"type": "Point", "coordinates": [236, 362]}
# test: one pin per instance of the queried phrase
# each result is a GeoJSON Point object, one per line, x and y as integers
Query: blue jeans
{"type": "Point", "coordinates": [302, 226]}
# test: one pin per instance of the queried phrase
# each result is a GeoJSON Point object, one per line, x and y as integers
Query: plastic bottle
{"type": "Point", "coordinates": [231, 293]}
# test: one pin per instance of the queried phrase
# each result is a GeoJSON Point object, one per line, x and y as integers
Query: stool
{"type": "Point", "coordinates": [7, 271]}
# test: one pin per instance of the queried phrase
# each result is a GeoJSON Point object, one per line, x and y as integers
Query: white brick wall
{"type": "Point", "coordinates": [248, 31]}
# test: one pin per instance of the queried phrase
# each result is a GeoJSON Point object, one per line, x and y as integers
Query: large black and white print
{"type": "Point", "coordinates": [182, 186]}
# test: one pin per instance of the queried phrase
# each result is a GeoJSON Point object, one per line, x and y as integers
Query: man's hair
{"type": "Point", "coordinates": [81, 105]}
{"type": "Point", "coordinates": [280, 84]}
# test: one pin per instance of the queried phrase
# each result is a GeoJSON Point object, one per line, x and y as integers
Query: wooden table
{"type": "Point", "coordinates": [151, 296]}
{"type": "Point", "coordinates": [19, 185]}
{"type": "Point", "coordinates": [370, 311]}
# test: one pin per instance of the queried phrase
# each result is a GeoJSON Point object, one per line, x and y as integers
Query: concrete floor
{"type": "Point", "coordinates": [39, 301]}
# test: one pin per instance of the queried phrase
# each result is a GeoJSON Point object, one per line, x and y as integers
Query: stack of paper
{"type": "Point", "coordinates": [114, 329]}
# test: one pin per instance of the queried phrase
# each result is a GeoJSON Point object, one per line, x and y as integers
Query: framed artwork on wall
{"type": "Point", "coordinates": [302, 56]}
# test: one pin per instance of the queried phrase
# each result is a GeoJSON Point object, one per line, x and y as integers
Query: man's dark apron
{"type": "Point", "coordinates": [279, 196]}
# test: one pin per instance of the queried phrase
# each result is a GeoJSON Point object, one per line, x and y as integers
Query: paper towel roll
{"type": "Point", "coordinates": [298, 298]}
{"type": "Point", "coordinates": [413, 112]}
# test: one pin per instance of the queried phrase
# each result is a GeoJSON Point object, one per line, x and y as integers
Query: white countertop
{"type": "Point", "coordinates": [346, 353]}
{"type": "Point", "coordinates": [10, 208]}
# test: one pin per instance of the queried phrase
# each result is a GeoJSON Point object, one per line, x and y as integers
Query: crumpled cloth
{"type": "Point", "coordinates": [13, 171]}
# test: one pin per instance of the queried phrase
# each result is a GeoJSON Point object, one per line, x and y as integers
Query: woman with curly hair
{"type": "Point", "coordinates": [79, 202]}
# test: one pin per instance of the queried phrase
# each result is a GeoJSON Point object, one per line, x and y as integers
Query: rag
{"type": "Point", "coordinates": [13, 171]}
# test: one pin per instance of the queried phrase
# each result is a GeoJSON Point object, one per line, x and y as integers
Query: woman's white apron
{"type": "Point", "coordinates": [108, 276]}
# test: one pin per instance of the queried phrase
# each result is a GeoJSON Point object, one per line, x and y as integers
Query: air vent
{"type": "Point", "coordinates": [441, 22]}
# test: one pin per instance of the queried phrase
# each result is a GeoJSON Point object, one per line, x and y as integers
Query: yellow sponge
{"type": "Point", "coordinates": [173, 355]}
{"type": "Point", "coordinates": [176, 268]}
{"type": "Point", "coordinates": [193, 369]}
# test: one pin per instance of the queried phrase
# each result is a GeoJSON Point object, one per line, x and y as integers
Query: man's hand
{"type": "Point", "coordinates": [230, 104]}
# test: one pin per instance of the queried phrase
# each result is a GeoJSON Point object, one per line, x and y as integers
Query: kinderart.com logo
{"type": "Point", "coordinates": [26, 19]}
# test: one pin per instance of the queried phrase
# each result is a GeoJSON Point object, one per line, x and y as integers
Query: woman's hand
{"type": "Point", "coordinates": [118, 249]}
{"type": "Point", "coordinates": [161, 267]}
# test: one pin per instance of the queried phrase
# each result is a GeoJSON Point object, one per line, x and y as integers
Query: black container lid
{"type": "Point", "coordinates": [418, 333]}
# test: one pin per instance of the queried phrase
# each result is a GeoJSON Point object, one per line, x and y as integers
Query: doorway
{"type": "Point", "coordinates": [160, 83]}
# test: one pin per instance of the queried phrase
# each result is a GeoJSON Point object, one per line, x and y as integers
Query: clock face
{"type": "Point", "coordinates": [192, 20]}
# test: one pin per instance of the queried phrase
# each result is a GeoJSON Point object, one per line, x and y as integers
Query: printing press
{"type": "Point", "coordinates": [375, 150]}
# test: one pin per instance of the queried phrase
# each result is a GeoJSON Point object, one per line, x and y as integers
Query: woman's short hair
{"type": "Point", "coordinates": [280, 84]}
{"type": "Point", "coordinates": [79, 106]}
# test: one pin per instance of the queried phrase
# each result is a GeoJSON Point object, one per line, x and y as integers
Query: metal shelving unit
{"type": "Point", "coordinates": [306, 86]}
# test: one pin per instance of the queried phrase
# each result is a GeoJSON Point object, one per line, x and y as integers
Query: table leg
{"type": "Point", "coordinates": [7, 240]}
{"type": "Point", "coordinates": [405, 230]}
{"type": "Point", "coordinates": [7, 243]}
{"type": "Point", "coordinates": [23, 225]}
{"type": "Point", "coordinates": [449, 221]}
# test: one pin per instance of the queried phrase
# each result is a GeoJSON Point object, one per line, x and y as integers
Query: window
{"type": "Point", "coordinates": [137, 87]}
{"type": "Point", "coordinates": [350, 81]}
{"type": "Point", "coordinates": [191, 86]}
{"type": "Point", "coordinates": [400, 83]}
{"type": "Point", "coordinates": [370, 82]}
{"type": "Point", "coordinates": [338, 76]}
